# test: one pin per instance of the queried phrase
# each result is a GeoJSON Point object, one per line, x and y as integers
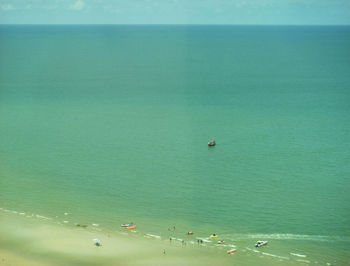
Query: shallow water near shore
{"type": "Point", "coordinates": [109, 124]}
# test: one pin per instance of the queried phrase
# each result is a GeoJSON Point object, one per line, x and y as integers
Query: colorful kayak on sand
{"type": "Point", "coordinates": [131, 227]}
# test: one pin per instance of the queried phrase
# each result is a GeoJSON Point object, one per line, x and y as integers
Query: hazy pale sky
{"type": "Point", "coordinates": [295, 12]}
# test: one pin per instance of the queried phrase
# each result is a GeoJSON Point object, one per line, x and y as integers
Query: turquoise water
{"type": "Point", "coordinates": [111, 124]}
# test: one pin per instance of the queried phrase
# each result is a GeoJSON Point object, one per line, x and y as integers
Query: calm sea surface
{"type": "Point", "coordinates": [110, 124]}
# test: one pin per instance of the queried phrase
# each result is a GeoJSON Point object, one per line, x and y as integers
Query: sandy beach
{"type": "Point", "coordinates": [32, 240]}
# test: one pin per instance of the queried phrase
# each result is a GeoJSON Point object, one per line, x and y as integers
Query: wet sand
{"type": "Point", "coordinates": [36, 240]}
{"type": "Point", "coordinates": [27, 241]}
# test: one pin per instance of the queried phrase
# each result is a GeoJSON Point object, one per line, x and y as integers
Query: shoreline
{"type": "Point", "coordinates": [39, 240]}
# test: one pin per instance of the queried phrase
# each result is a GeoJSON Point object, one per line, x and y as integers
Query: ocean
{"type": "Point", "coordinates": [110, 124]}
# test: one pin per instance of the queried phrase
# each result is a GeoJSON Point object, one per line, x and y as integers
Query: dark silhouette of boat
{"type": "Point", "coordinates": [211, 143]}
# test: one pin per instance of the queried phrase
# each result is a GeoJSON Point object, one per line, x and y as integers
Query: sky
{"type": "Point", "coordinates": [257, 12]}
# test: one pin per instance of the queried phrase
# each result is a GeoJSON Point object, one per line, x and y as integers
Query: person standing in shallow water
{"type": "Point", "coordinates": [171, 229]}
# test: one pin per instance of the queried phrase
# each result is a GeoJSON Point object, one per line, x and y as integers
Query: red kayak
{"type": "Point", "coordinates": [231, 251]}
{"type": "Point", "coordinates": [189, 233]}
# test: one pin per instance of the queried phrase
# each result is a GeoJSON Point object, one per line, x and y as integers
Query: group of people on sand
{"type": "Point", "coordinates": [172, 229]}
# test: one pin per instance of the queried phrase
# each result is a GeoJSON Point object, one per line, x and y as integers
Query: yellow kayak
{"type": "Point", "coordinates": [214, 236]}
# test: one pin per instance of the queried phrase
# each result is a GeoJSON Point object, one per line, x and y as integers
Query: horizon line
{"type": "Point", "coordinates": [168, 24]}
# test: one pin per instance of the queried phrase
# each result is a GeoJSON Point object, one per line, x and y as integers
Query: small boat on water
{"type": "Point", "coordinates": [220, 241]}
{"type": "Point", "coordinates": [214, 236]}
{"type": "Point", "coordinates": [260, 243]}
{"type": "Point", "coordinates": [211, 143]}
{"type": "Point", "coordinates": [189, 233]}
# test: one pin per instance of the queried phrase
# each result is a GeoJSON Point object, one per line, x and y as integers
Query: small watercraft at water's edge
{"type": "Point", "coordinates": [260, 243]}
{"type": "Point", "coordinates": [125, 225]}
{"type": "Point", "coordinates": [231, 251]}
{"type": "Point", "coordinates": [131, 227]}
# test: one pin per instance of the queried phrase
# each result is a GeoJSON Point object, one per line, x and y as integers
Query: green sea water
{"type": "Point", "coordinates": [110, 124]}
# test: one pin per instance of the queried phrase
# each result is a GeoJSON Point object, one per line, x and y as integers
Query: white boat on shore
{"type": "Point", "coordinates": [260, 243]}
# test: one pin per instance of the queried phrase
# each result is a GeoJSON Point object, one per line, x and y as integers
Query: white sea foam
{"type": "Point", "coordinates": [152, 236]}
{"type": "Point", "coordinates": [297, 237]}
{"type": "Point", "coordinates": [304, 261]}
{"type": "Point", "coordinates": [275, 256]}
{"type": "Point", "coordinates": [22, 213]}
{"type": "Point", "coordinates": [254, 250]}
{"type": "Point", "coordinates": [95, 225]}
{"type": "Point", "coordinates": [65, 222]}
{"type": "Point", "coordinates": [298, 255]}
{"type": "Point", "coordinates": [42, 217]}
